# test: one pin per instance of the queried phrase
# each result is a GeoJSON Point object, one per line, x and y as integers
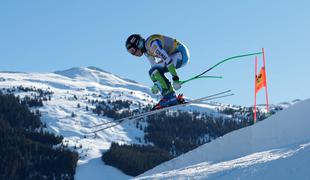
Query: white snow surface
{"type": "Point", "coordinates": [276, 148]}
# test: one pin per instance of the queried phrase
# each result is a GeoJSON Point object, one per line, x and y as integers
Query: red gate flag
{"type": "Point", "coordinates": [260, 80]}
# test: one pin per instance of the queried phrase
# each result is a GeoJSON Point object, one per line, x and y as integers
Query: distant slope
{"type": "Point", "coordinates": [93, 74]}
{"type": "Point", "coordinates": [276, 148]}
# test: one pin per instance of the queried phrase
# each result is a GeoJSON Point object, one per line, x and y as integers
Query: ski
{"type": "Point", "coordinates": [145, 114]}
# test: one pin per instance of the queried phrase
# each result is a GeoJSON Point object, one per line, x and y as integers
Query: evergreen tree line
{"type": "Point", "coordinates": [246, 114]}
{"type": "Point", "coordinates": [185, 131]}
{"type": "Point", "coordinates": [42, 95]}
{"type": "Point", "coordinates": [113, 109]}
{"type": "Point", "coordinates": [135, 159]}
{"type": "Point", "coordinates": [27, 153]}
{"type": "Point", "coordinates": [32, 102]}
{"type": "Point", "coordinates": [41, 92]}
{"type": "Point", "coordinates": [16, 113]}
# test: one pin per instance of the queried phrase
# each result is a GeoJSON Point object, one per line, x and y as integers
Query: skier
{"type": "Point", "coordinates": [165, 54]}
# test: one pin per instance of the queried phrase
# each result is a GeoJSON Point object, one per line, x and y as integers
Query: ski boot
{"type": "Point", "coordinates": [169, 100]}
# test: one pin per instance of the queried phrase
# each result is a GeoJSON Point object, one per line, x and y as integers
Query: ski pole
{"type": "Point", "coordinates": [227, 59]}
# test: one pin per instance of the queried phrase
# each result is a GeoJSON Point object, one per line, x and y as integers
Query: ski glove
{"type": "Point", "coordinates": [176, 83]}
{"type": "Point", "coordinates": [175, 78]}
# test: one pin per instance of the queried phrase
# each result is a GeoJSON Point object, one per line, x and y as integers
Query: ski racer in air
{"type": "Point", "coordinates": [165, 54]}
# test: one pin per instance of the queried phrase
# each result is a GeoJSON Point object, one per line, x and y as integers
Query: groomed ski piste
{"type": "Point", "coordinates": [276, 148]}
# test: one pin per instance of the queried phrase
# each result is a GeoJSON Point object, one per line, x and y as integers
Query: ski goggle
{"type": "Point", "coordinates": [132, 50]}
{"type": "Point", "coordinates": [134, 46]}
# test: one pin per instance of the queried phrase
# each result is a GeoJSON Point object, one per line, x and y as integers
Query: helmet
{"type": "Point", "coordinates": [133, 41]}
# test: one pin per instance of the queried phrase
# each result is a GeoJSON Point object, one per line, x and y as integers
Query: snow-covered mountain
{"type": "Point", "coordinates": [276, 148]}
{"type": "Point", "coordinates": [70, 94]}
{"type": "Point", "coordinates": [73, 90]}
{"type": "Point", "coordinates": [96, 75]}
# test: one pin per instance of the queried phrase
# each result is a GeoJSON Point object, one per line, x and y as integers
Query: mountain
{"type": "Point", "coordinates": [93, 74]}
{"type": "Point", "coordinates": [70, 96]}
{"type": "Point", "coordinates": [276, 148]}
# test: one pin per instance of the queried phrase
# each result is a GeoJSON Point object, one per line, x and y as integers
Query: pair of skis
{"type": "Point", "coordinates": [111, 124]}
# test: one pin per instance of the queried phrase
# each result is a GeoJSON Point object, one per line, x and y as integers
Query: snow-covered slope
{"type": "Point", "coordinates": [276, 148]}
{"type": "Point", "coordinates": [96, 75]}
{"type": "Point", "coordinates": [73, 90]}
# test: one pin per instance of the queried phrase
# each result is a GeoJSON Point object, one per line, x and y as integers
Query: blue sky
{"type": "Point", "coordinates": [45, 36]}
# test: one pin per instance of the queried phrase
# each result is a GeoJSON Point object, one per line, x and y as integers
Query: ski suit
{"type": "Point", "coordinates": [165, 54]}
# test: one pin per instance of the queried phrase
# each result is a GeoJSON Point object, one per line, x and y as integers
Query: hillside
{"type": "Point", "coordinates": [276, 148]}
{"type": "Point", "coordinates": [69, 98]}
{"type": "Point", "coordinates": [68, 112]}
{"type": "Point", "coordinates": [70, 103]}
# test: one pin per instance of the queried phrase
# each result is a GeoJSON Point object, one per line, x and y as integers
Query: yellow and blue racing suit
{"type": "Point", "coordinates": [165, 54]}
